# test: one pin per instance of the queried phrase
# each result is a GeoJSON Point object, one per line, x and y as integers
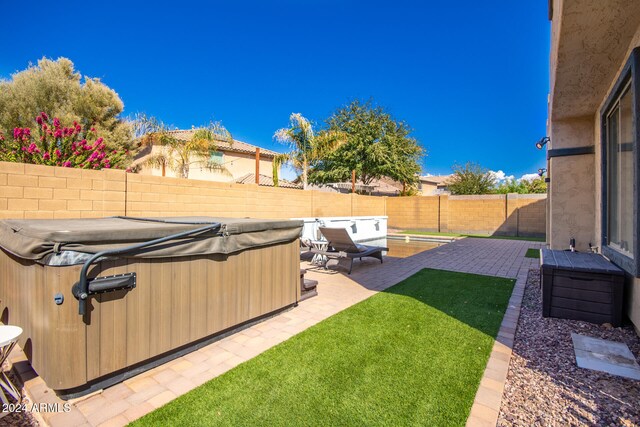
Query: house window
{"type": "Point", "coordinates": [619, 142]}
{"type": "Point", "coordinates": [216, 157]}
{"type": "Point", "coordinates": [620, 169]}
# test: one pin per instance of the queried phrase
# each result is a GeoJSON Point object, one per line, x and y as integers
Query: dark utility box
{"type": "Point", "coordinates": [581, 286]}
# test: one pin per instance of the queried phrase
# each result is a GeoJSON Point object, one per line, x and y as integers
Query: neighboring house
{"type": "Point", "coordinates": [594, 131]}
{"type": "Point", "coordinates": [377, 187]}
{"type": "Point", "coordinates": [434, 185]}
{"type": "Point", "coordinates": [267, 181]}
{"type": "Point", "coordinates": [238, 159]}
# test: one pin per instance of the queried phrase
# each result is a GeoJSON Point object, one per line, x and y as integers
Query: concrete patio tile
{"type": "Point", "coordinates": [137, 384]}
{"type": "Point", "coordinates": [485, 413]}
{"type": "Point", "coordinates": [146, 394]}
{"type": "Point", "coordinates": [234, 346]}
{"type": "Point", "coordinates": [492, 384]}
{"type": "Point", "coordinates": [182, 365]}
{"type": "Point", "coordinates": [499, 356]}
{"type": "Point", "coordinates": [92, 404]}
{"type": "Point", "coordinates": [67, 419]}
{"type": "Point", "coordinates": [259, 340]}
{"type": "Point", "coordinates": [117, 392]}
{"type": "Point", "coordinates": [219, 356]}
{"type": "Point", "coordinates": [489, 398]}
{"type": "Point", "coordinates": [496, 375]}
{"type": "Point", "coordinates": [196, 357]}
{"type": "Point", "coordinates": [166, 376]}
{"type": "Point", "coordinates": [112, 410]}
{"type": "Point", "coordinates": [138, 411]}
{"type": "Point", "coordinates": [118, 421]}
{"type": "Point", "coordinates": [195, 370]}
{"type": "Point", "coordinates": [162, 398]}
{"type": "Point", "coordinates": [220, 369]}
{"type": "Point", "coordinates": [180, 385]}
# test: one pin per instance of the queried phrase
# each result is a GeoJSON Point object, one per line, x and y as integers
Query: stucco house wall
{"type": "Point", "coordinates": [237, 165]}
{"type": "Point", "coordinates": [591, 42]}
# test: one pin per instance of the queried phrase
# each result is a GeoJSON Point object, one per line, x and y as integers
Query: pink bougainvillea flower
{"type": "Point", "coordinates": [58, 153]}
{"type": "Point", "coordinates": [58, 133]}
{"type": "Point", "coordinates": [93, 129]}
{"type": "Point", "coordinates": [44, 116]}
{"type": "Point", "coordinates": [46, 156]}
{"type": "Point", "coordinates": [56, 122]}
{"type": "Point", "coordinates": [39, 120]}
{"type": "Point", "coordinates": [26, 132]}
{"type": "Point", "coordinates": [67, 164]}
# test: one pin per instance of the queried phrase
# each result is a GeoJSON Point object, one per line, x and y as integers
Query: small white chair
{"type": "Point", "coordinates": [8, 339]}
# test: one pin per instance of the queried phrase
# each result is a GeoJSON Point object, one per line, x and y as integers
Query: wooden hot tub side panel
{"type": "Point", "coordinates": [176, 301]}
{"type": "Point", "coordinates": [181, 300]}
{"type": "Point", "coordinates": [53, 337]}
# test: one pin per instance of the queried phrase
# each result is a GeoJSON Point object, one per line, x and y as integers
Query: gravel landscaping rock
{"type": "Point", "coordinates": [17, 419]}
{"type": "Point", "coordinates": [545, 387]}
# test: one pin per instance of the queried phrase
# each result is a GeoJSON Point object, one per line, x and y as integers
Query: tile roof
{"type": "Point", "coordinates": [236, 146]}
{"type": "Point", "coordinates": [265, 180]}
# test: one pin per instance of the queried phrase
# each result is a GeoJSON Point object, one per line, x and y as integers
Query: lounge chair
{"type": "Point", "coordinates": [343, 248]}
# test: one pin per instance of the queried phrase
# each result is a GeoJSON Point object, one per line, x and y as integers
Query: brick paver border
{"type": "Point", "coordinates": [486, 405]}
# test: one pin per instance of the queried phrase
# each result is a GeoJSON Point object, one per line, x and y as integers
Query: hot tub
{"type": "Point", "coordinates": [101, 300]}
{"type": "Point", "coordinates": [360, 228]}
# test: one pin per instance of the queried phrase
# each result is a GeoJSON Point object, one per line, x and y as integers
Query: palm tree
{"type": "Point", "coordinates": [278, 160]}
{"type": "Point", "coordinates": [179, 155]}
{"type": "Point", "coordinates": [306, 147]}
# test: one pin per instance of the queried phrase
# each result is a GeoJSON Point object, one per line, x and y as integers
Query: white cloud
{"type": "Point", "coordinates": [500, 176]}
{"type": "Point", "coordinates": [529, 177]}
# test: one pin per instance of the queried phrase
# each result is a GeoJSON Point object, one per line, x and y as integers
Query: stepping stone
{"type": "Point", "coordinates": [611, 357]}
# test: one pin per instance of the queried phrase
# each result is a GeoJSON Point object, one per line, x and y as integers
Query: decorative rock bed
{"type": "Point", "coordinates": [545, 387]}
{"type": "Point", "coordinates": [22, 418]}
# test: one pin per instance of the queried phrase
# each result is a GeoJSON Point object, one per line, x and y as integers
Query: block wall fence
{"type": "Point", "coordinates": [45, 192]}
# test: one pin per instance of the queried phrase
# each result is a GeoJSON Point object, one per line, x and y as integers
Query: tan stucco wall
{"type": "Point", "coordinates": [500, 214]}
{"type": "Point", "coordinates": [591, 42]}
{"type": "Point", "coordinates": [238, 165]}
{"type": "Point", "coordinates": [633, 291]}
{"type": "Point", "coordinates": [572, 186]}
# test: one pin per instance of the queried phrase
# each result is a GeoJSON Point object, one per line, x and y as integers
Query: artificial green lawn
{"type": "Point", "coordinates": [411, 355]}
{"type": "Point", "coordinates": [532, 253]}
{"type": "Point", "coordinates": [480, 236]}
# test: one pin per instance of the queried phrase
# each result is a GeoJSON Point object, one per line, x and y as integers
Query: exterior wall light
{"type": "Point", "coordinates": [542, 142]}
{"type": "Point", "coordinates": [542, 171]}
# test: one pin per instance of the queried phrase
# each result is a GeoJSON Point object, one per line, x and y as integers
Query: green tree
{"type": "Point", "coordinates": [377, 145]}
{"type": "Point", "coordinates": [511, 185]}
{"type": "Point", "coordinates": [179, 155]}
{"type": "Point", "coordinates": [471, 179]}
{"type": "Point", "coordinates": [535, 186]}
{"type": "Point", "coordinates": [307, 147]}
{"type": "Point", "coordinates": [56, 88]}
{"type": "Point", "coordinates": [522, 186]}
{"type": "Point", "coordinates": [278, 160]}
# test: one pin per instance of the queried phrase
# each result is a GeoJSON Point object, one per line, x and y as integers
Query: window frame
{"type": "Point", "coordinates": [216, 153]}
{"type": "Point", "coordinates": [629, 77]}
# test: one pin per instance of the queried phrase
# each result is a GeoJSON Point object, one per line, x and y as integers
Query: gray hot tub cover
{"type": "Point", "coordinates": [39, 239]}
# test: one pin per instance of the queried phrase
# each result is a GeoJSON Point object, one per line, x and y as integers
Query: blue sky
{"type": "Point", "coordinates": [471, 78]}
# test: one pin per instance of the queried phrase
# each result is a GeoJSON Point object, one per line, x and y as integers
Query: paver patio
{"type": "Point", "coordinates": [139, 395]}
